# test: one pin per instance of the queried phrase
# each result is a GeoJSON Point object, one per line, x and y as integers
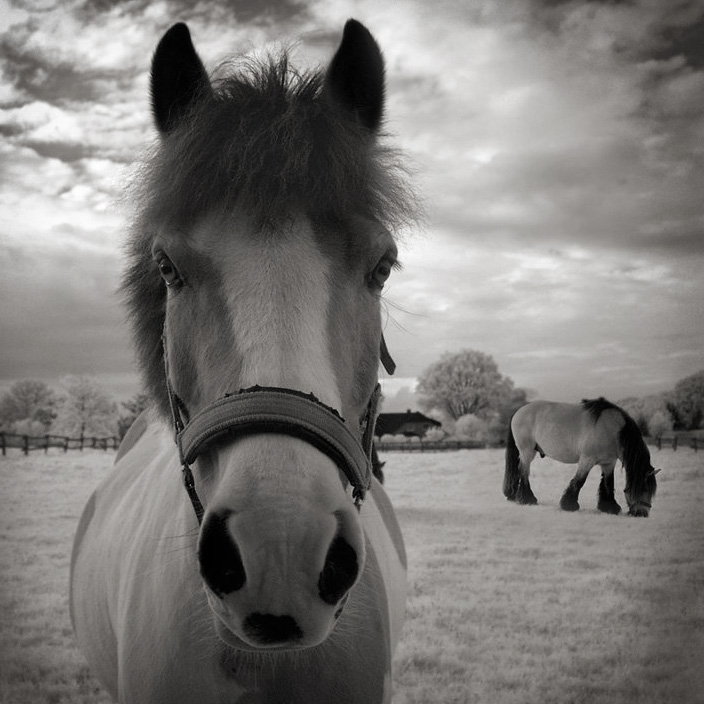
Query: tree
{"type": "Point", "coordinates": [467, 382]}
{"type": "Point", "coordinates": [86, 409]}
{"type": "Point", "coordinates": [688, 400]}
{"type": "Point", "coordinates": [659, 423]}
{"type": "Point", "coordinates": [643, 409]}
{"type": "Point", "coordinates": [26, 426]}
{"type": "Point", "coordinates": [471, 427]}
{"type": "Point", "coordinates": [28, 400]}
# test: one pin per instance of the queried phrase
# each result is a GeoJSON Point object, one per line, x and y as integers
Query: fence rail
{"type": "Point", "coordinates": [431, 446]}
{"type": "Point", "coordinates": [27, 443]}
{"type": "Point", "coordinates": [674, 440]}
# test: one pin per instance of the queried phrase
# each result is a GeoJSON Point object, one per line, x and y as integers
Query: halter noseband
{"type": "Point", "coordinates": [269, 409]}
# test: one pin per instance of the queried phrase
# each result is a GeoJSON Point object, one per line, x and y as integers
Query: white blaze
{"type": "Point", "coordinates": [277, 290]}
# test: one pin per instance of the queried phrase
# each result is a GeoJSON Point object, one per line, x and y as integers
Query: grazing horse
{"type": "Point", "coordinates": [589, 433]}
{"type": "Point", "coordinates": [261, 241]}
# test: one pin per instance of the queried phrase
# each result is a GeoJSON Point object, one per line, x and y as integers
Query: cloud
{"type": "Point", "coordinates": [59, 312]}
{"type": "Point", "coordinates": [558, 146]}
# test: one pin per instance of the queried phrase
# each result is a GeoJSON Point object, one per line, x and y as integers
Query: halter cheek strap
{"type": "Point", "coordinates": [265, 409]}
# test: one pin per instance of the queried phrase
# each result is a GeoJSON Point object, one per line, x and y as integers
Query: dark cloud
{"type": "Point", "coordinates": [685, 40]}
{"type": "Point", "coordinates": [243, 11]}
{"type": "Point", "coordinates": [37, 75]}
{"type": "Point", "coordinates": [59, 313]}
{"type": "Point", "coordinates": [560, 144]}
{"type": "Point", "coordinates": [61, 150]}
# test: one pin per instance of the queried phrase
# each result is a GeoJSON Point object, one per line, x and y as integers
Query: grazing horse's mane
{"type": "Point", "coordinates": [268, 140]}
{"type": "Point", "coordinates": [596, 406]}
{"type": "Point", "coordinates": [636, 456]}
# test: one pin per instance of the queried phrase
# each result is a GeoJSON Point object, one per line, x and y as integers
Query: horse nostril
{"type": "Point", "coordinates": [339, 572]}
{"type": "Point", "coordinates": [269, 629]}
{"type": "Point", "coordinates": [220, 562]}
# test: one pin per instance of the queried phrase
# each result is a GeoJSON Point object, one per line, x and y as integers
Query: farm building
{"type": "Point", "coordinates": [410, 424]}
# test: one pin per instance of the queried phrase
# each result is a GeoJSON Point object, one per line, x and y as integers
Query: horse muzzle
{"type": "Point", "coordinates": [278, 573]}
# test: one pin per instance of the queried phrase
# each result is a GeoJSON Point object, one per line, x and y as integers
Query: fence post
{"type": "Point", "coordinates": [658, 442]}
{"type": "Point", "coordinates": [2, 442]}
{"type": "Point", "coordinates": [80, 447]}
{"type": "Point", "coordinates": [25, 444]}
{"type": "Point", "coordinates": [46, 444]}
{"type": "Point", "coordinates": [66, 444]}
{"type": "Point", "coordinates": [674, 443]}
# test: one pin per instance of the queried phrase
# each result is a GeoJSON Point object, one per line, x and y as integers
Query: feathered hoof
{"type": "Point", "coordinates": [569, 503]}
{"type": "Point", "coordinates": [527, 500]}
{"type": "Point", "coordinates": [609, 507]}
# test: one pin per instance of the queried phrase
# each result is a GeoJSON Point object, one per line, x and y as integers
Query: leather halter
{"type": "Point", "coordinates": [269, 409]}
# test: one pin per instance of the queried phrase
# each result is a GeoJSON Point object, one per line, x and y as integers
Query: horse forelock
{"type": "Point", "coordinates": [269, 141]}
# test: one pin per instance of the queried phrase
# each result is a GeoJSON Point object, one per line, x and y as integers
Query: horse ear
{"type": "Point", "coordinates": [178, 78]}
{"type": "Point", "coordinates": [355, 77]}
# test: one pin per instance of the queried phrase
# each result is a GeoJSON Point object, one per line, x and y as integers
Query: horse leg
{"type": "Point", "coordinates": [524, 494]}
{"type": "Point", "coordinates": [569, 500]}
{"type": "Point", "coordinates": [512, 471]}
{"type": "Point", "coordinates": [607, 500]}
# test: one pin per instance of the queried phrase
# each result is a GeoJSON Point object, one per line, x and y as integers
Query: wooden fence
{"type": "Point", "coordinates": [430, 446]}
{"type": "Point", "coordinates": [26, 443]}
{"type": "Point", "coordinates": [674, 440]}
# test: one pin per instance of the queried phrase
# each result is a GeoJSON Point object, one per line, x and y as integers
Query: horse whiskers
{"type": "Point", "coordinates": [388, 303]}
{"type": "Point", "coordinates": [194, 532]}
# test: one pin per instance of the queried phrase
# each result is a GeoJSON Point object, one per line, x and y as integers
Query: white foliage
{"type": "Point", "coordinates": [86, 410]}
{"type": "Point", "coordinates": [471, 427]}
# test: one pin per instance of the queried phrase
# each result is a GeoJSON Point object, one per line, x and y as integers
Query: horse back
{"type": "Point", "coordinates": [133, 434]}
{"type": "Point", "coordinates": [557, 429]}
{"type": "Point", "coordinates": [567, 431]}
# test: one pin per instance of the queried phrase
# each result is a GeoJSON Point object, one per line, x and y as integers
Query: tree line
{"type": "Point", "coordinates": [474, 401]}
{"type": "Point", "coordinates": [681, 408]}
{"type": "Point", "coordinates": [81, 408]}
{"type": "Point", "coordinates": [464, 391]}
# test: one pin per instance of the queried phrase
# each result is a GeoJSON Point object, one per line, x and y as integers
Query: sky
{"type": "Point", "coordinates": [558, 147]}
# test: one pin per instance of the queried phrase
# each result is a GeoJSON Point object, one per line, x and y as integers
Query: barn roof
{"type": "Point", "coordinates": [394, 423]}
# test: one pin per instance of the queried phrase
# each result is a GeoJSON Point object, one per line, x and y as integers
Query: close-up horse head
{"type": "Point", "coordinates": [258, 256]}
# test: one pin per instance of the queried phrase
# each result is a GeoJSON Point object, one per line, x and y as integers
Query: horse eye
{"type": "Point", "coordinates": [167, 270]}
{"type": "Point", "coordinates": [381, 273]}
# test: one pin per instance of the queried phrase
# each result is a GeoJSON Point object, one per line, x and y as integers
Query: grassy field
{"type": "Point", "coordinates": [507, 604]}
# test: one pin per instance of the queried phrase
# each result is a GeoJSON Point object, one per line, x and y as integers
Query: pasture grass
{"type": "Point", "coordinates": [513, 604]}
{"type": "Point", "coordinates": [42, 497]}
{"type": "Point", "coordinates": [507, 604]}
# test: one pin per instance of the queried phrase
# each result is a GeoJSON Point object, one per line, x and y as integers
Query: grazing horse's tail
{"type": "Point", "coordinates": [511, 474]}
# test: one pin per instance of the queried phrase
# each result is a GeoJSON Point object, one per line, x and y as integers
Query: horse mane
{"type": "Point", "coordinates": [269, 141]}
{"type": "Point", "coordinates": [635, 453]}
{"type": "Point", "coordinates": [596, 406]}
